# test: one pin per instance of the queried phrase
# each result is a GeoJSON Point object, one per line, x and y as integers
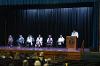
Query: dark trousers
{"type": "Point", "coordinates": [10, 44]}
{"type": "Point", "coordinates": [20, 44]}
{"type": "Point", "coordinates": [29, 44]}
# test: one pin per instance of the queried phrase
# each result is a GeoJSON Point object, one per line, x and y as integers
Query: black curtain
{"type": "Point", "coordinates": [45, 21]}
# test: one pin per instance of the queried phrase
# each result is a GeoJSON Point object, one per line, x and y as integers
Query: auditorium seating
{"type": "Point", "coordinates": [7, 59]}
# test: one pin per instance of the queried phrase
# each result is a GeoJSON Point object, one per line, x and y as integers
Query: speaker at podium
{"type": "Point", "coordinates": [71, 42]}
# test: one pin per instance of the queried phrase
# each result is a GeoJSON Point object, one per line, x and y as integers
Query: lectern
{"type": "Point", "coordinates": [71, 42]}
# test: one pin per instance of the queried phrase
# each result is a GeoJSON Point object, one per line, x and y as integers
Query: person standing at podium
{"type": "Point", "coordinates": [60, 41]}
{"type": "Point", "coordinates": [75, 33]}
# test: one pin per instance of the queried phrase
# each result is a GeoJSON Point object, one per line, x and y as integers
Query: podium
{"type": "Point", "coordinates": [71, 42]}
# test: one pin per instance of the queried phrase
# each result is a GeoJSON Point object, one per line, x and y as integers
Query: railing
{"type": "Point", "coordinates": [82, 48]}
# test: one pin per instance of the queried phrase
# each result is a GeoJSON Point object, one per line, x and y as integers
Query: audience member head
{"type": "Point", "coordinates": [46, 64]}
{"type": "Point", "coordinates": [37, 63]}
{"type": "Point", "coordinates": [25, 63]}
{"type": "Point", "coordinates": [41, 54]}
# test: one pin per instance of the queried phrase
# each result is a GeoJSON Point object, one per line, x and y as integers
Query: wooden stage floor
{"type": "Point", "coordinates": [67, 54]}
{"type": "Point", "coordinates": [42, 49]}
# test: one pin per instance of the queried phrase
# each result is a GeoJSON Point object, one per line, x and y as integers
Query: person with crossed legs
{"type": "Point", "coordinates": [39, 41]}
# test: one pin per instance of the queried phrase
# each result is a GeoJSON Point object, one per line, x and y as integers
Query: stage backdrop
{"type": "Point", "coordinates": [45, 21]}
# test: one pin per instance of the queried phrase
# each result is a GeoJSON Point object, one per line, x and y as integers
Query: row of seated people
{"type": "Point", "coordinates": [24, 60]}
{"type": "Point", "coordinates": [30, 41]}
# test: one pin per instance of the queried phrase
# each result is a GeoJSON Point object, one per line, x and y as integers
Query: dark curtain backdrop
{"type": "Point", "coordinates": [45, 21]}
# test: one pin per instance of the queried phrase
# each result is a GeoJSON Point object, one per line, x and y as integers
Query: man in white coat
{"type": "Point", "coordinates": [30, 41]}
{"type": "Point", "coordinates": [60, 41]}
{"type": "Point", "coordinates": [39, 41]}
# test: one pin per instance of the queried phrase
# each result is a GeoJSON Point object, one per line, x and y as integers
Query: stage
{"type": "Point", "coordinates": [66, 54]}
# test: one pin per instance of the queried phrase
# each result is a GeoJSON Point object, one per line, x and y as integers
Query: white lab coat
{"type": "Point", "coordinates": [49, 40]}
{"type": "Point", "coordinates": [39, 40]}
{"type": "Point", "coordinates": [60, 40]}
{"type": "Point", "coordinates": [30, 40]}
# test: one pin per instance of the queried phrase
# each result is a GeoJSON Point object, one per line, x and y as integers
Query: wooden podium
{"type": "Point", "coordinates": [71, 42]}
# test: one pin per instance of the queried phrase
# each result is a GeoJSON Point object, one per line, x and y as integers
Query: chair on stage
{"type": "Point", "coordinates": [49, 44]}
